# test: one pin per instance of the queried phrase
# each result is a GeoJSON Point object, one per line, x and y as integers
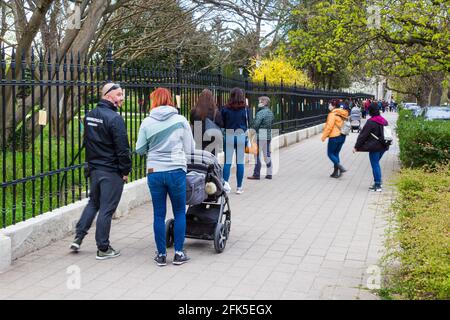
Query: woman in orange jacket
{"type": "Point", "coordinates": [332, 131]}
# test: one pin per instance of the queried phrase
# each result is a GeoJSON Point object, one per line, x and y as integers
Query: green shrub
{"type": "Point", "coordinates": [422, 235]}
{"type": "Point", "coordinates": [423, 143]}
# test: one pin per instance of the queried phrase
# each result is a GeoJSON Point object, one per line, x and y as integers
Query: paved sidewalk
{"type": "Point", "coordinates": [302, 235]}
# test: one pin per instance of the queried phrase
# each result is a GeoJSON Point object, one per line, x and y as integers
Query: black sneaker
{"type": "Point", "coordinates": [110, 253]}
{"type": "Point", "coordinates": [180, 258]}
{"type": "Point", "coordinates": [376, 188]}
{"type": "Point", "coordinates": [269, 176]}
{"type": "Point", "coordinates": [75, 246]}
{"type": "Point", "coordinates": [160, 259]}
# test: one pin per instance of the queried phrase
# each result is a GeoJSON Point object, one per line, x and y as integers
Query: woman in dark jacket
{"type": "Point", "coordinates": [235, 117]}
{"type": "Point", "coordinates": [204, 109]}
{"type": "Point", "coordinates": [370, 140]}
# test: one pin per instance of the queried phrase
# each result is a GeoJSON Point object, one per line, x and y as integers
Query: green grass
{"type": "Point", "coordinates": [419, 246]}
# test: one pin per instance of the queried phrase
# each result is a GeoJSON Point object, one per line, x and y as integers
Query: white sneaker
{"type": "Point", "coordinates": [226, 187]}
{"type": "Point", "coordinates": [239, 190]}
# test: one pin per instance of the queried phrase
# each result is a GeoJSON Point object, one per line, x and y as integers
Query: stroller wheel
{"type": "Point", "coordinates": [169, 233]}
{"type": "Point", "coordinates": [220, 237]}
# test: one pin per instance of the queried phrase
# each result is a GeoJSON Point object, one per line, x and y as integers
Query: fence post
{"type": "Point", "coordinates": [109, 63]}
{"type": "Point", "coordinates": [220, 84]}
{"type": "Point", "coordinates": [246, 81]}
{"type": "Point", "coordinates": [295, 110]}
{"type": "Point", "coordinates": [282, 105]}
{"type": "Point", "coordinates": [178, 74]}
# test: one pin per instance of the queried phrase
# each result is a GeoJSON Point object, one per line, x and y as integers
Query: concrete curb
{"type": "Point", "coordinates": [5, 252]}
{"type": "Point", "coordinates": [25, 237]}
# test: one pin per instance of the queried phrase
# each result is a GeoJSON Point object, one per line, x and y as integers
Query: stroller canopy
{"type": "Point", "coordinates": [205, 162]}
{"type": "Point", "coordinates": [355, 114]}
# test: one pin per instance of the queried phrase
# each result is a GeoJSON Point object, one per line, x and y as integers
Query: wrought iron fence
{"type": "Point", "coordinates": [44, 99]}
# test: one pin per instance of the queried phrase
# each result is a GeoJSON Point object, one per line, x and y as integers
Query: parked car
{"type": "Point", "coordinates": [408, 105]}
{"type": "Point", "coordinates": [416, 110]}
{"type": "Point", "coordinates": [436, 113]}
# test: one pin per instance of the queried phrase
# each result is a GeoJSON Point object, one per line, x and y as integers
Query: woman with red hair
{"type": "Point", "coordinates": [165, 137]}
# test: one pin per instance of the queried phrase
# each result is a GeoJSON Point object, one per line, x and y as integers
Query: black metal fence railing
{"type": "Point", "coordinates": [44, 98]}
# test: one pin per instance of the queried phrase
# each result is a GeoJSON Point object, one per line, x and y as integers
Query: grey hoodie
{"type": "Point", "coordinates": [166, 137]}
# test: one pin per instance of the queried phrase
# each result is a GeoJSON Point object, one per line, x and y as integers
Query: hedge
{"type": "Point", "coordinates": [423, 143]}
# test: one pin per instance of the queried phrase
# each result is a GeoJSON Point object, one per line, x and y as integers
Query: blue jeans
{"type": "Point", "coordinates": [172, 183]}
{"type": "Point", "coordinates": [334, 147]}
{"type": "Point", "coordinates": [232, 143]}
{"type": "Point", "coordinates": [375, 158]}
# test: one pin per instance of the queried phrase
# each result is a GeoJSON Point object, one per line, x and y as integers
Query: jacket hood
{"type": "Point", "coordinates": [379, 120]}
{"type": "Point", "coordinates": [340, 112]}
{"type": "Point", "coordinates": [163, 113]}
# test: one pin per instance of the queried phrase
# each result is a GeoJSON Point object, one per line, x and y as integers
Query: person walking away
{"type": "Point", "coordinates": [385, 105]}
{"type": "Point", "coordinates": [206, 110]}
{"type": "Point", "coordinates": [370, 140]}
{"type": "Point", "coordinates": [108, 165]}
{"type": "Point", "coordinates": [235, 117]}
{"type": "Point", "coordinates": [380, 105]}
{"type": "Point", "coordinates": [262, 124]}
{"type": "Point", "coordinates": [391, 106]}
{"type": "Point", "coordinates": [165, 137]}
{"type": "Point", "coordinates": [366, 108]}
{"type": "Point", "coordinates": [336, 140]}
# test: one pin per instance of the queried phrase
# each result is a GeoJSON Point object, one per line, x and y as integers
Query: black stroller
{"type": "Point", "coordinates": [208, 216]}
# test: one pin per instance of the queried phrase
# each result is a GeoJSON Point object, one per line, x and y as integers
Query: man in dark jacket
{"type": "Point", "coordinates": [371, 140]}
{"type": "Point", "coordinates": [109, 163]}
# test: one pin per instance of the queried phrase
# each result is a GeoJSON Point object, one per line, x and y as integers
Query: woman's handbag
{"type": "Point", "coordinates": [251, 146]}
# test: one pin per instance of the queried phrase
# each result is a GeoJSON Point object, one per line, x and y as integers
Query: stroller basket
{"type": "Point", "coordinates": [201, 221]}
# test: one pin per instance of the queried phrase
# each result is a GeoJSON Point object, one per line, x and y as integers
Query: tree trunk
{"type": "Point", "coordinates": [436, 94]}
{"type": "Point", "coordinates": [423, 95]}
{"type": "Point", "coordinates": [437, 89]}
{"type": "Point", "coordinates": [81, 43]}
{"type": "Point", "coordinates": [23, 45]}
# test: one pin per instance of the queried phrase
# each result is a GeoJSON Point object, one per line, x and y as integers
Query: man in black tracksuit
{"type": "Point", "coordinates": [109, 163]}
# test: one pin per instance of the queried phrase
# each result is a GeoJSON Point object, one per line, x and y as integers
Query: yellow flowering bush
{"type": "Point", "coordinates": [277, 68]}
